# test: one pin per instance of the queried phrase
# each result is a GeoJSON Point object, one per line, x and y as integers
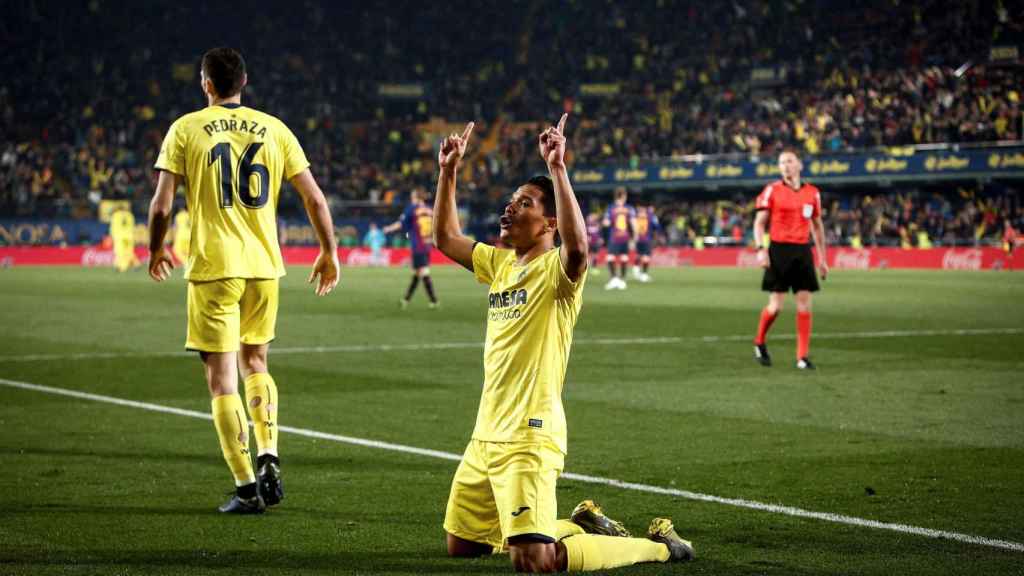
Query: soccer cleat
{"type": "Point", "coordinates": [761, 355]}
{"type": "Point", "coordinates": [645, 277]}
{"type": "Point", "coordinates": [403, 304]}
{"type": "Point", "coordinates": [268, 481]}
{"type": "Point", "coordinates": [662, 532]}
{"type": "Point", "coordinates": [805, 364]}
{"type": "Point", "coordinates": [244, 505]}
{"type": "Point", "coordinates": [434, 305]}
{"type": "Point", "coordinates": [612, 284]}
{"type": "Point", "coordinates": [588, 515]}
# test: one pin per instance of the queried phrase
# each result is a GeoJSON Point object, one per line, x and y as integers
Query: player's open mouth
{"type": "Point", "coordinates": [504, 221]}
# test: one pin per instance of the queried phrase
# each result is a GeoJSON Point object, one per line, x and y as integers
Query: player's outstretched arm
{"type": "Point", "coordinates": [326, 269]}
{"type": "Point", "coordinates": [572, 227]}
{"type": "Point", "coordinates": [447, 232]}
{"type": "Point", "coordinates": [161, 263]}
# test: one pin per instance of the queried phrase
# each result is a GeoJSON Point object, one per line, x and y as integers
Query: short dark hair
{"type": "Point", "coordinates": [548, 188]}
{"type": "Point", "coordinates": [226, 69]}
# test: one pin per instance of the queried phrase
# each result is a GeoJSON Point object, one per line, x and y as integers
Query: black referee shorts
{"type": "Point", "coordinates": [791, 267]}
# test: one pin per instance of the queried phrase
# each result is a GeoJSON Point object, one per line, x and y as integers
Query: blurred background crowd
{"type": "Point", "coordinates": [369, 88]}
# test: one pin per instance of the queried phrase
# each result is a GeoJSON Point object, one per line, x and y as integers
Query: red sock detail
{"type": "Point", "coordinates": [803, 334]}
{"type": "Point", "coordinates": [767, 319]}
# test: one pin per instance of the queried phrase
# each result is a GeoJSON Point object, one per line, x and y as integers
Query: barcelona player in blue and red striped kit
{"type": "Point", "coordinates": [646, 225]}
{"type": "Point", "coordinates": [620, 218]}
{"type": "Point", "coordinates": [418, 223]}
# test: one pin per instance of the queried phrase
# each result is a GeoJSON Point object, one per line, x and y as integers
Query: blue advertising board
{"type": "Point", "coordinates": [823, 169]}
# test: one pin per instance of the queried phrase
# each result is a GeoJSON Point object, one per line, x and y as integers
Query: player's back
{"type": "Point", "coordinates": [418, 221]}
{"type": "Point", "coordinates": [233, 160]}
{"type": "Point", "coordinates": [621, 219]}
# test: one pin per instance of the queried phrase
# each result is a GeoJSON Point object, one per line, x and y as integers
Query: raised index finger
{"type": "Point", "coordinates": [467, 131]}
{"type": "Point", "coordinates": [561, 123]}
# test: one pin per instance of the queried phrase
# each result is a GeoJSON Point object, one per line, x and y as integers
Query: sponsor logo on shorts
{"type": "Point", "coordinates": [521, 510]}
{"type": "Point", "coordinates": [535, 423]}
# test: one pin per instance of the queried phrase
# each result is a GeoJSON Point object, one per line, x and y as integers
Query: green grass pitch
{"type": "Point", "coordinates": [904, 422]}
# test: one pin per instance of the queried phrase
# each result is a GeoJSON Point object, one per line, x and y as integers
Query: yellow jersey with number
{"type": "Point", "coordinates": [531, 313]}
{"type": "Point", "coordinates": [233, 160]}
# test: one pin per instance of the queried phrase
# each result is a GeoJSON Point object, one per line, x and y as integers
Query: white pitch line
{"type": "Point", "coordinates": [356, 348]}
{"type": "Point", "coordinates": [647, 488]}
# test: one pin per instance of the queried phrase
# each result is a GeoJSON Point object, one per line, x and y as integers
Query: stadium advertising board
{"type": "Point", "coordinates": [824, 169]}
{"type": "Point", "coordinates": [839, 258]}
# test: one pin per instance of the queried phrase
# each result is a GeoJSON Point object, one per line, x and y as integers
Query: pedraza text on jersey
{"type": "Point", "coordinates": [234, 125]}
{"type": "Point", "coordinates": [507, 298]}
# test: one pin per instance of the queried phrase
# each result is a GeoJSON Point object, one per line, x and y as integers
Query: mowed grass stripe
{"type": "Point", "coordinates": [749, 504]}
{"type": "Point", "coordinates": [357, 348]}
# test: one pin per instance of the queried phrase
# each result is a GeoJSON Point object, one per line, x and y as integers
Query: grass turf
{"type": "Point", "coordinates": [922, 430]}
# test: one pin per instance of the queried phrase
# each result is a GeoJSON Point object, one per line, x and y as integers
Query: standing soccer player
{"type": "Point", "coordinates": [504, 489]}
{"type": "Point", "coordinates": [417, 221]}
{"type": "Point", "coordinates": [792, 210]}
{"type": "Point", "coordinates": [122, 236]}
{"type": "Point", "coordinates": [232, 160]}
{"type": "Point", "coordinates": [621, 218]}
{"type": "Point", "coordinates": [646, 225]}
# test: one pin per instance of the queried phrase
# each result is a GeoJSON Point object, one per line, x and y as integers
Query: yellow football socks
{"type": "Point", "coordinates": [233, 431]}
{"type": "Point", "coordinates": [566, 528]}
{"type": "Point", "coordinates": [587, 552]}
{"type": "Point", "coordinates": [261, 396]}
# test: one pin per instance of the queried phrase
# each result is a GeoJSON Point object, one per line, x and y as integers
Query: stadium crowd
{"type": "Point", "coordinates": [371, 96]}
{"type": "Point", "coordinates": [907, 218]}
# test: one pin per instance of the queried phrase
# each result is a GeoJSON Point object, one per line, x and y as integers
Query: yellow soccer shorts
{"type": "Point", "coordinates": [504, 489]}
{"type": "Point", "coordinates": [222, 313]}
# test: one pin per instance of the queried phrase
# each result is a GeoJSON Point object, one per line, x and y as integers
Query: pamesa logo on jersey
{"type": "Point", "coordinates": [507, 298]}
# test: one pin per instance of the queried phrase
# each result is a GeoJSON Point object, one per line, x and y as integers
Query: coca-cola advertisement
{"type": "Point", "coordinates": [665, 257]}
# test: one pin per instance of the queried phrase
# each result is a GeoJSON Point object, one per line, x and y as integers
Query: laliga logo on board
{"type": "Point", "coordinates": [966, 260]}
{"type": "Point", "coordinates": [630, 175]}
{"type": "Point", "coordinates": [1006, 160]}
{"type": "Point", "coordinates": [829, 167]}
{"type": "Point", "coordinates": [853, 259]}
{"type": "Point", "coordinates": [933, 163]}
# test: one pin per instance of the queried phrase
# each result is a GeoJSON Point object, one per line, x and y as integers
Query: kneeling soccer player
{"type": "Point", "coordinates": [504, 489]}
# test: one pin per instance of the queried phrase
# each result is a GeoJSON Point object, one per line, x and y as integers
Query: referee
{"type": "Point", "coordinates": [789, 207]}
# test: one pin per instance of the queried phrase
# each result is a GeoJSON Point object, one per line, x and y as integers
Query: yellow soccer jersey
{"type": "Point", "coordinates": [233, 159]}
{"type": "Point", "coordinates": [532, 310]}
{"type": "Point", "coordinates": [122, 224]}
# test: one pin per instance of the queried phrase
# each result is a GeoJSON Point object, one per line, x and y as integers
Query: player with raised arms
{"type": "Point", "coordinates": [231, 160]}
{"type": "Point", "coordinates": [503, 492]}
